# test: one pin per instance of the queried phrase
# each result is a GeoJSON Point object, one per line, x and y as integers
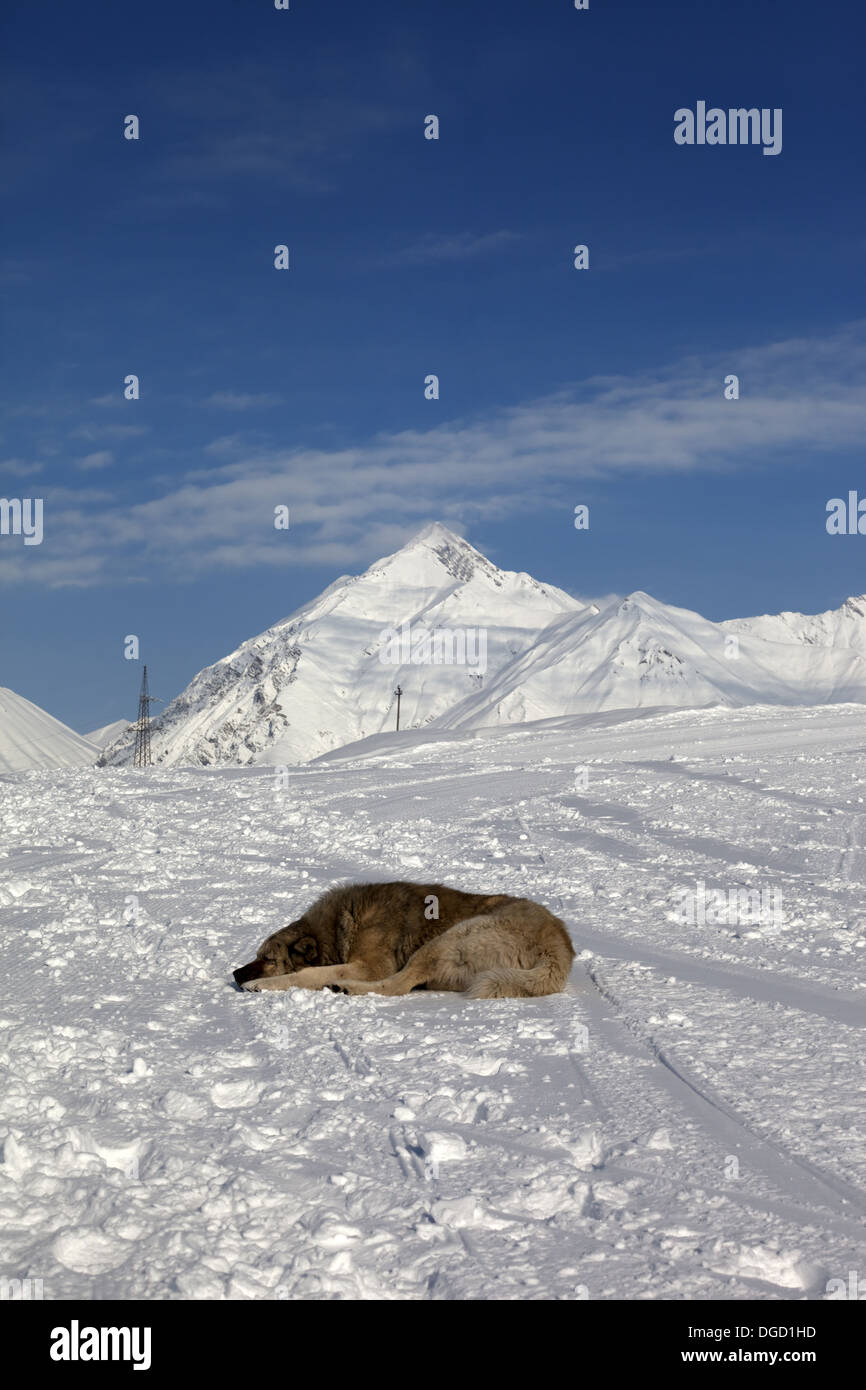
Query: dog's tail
{"type": "Point", "coordinates": [511, 982]}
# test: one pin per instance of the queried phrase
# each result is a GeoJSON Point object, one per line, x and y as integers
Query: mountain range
{"type": "Point", "coordinates": [326, 676]}
{"type": "Point", "coordinates": [469, 646]}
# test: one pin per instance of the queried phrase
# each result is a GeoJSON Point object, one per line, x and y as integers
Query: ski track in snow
{"type": "Point", "coordinates": [686, 1122]}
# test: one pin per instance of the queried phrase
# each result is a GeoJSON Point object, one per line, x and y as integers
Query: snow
{"type": "Point", "coordinates": [839, 627]}
{"type": "Point", "coordinates": [642, 653]}
{"type": "Point", "coordinates": [108, 733]}
{"type": "Point", "coordinates": [317, 681]}
{"type": "Point", "coordinates": [687, 1121]}
{"type": "Point", "coordinates": [30, 737]}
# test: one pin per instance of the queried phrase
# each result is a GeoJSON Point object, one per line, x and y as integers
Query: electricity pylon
{"type": "Point", "coordinates": [141, 757]}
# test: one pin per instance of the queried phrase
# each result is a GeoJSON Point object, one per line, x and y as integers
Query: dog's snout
{"type": "Point", "coordinates": [248, 972]}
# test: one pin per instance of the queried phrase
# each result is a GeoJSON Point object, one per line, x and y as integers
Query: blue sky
{"type": "Point", "coordinates": [306, 388]}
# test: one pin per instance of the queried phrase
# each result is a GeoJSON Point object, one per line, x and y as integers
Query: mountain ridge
{"type": "Point", "coordinates": [327, 674]}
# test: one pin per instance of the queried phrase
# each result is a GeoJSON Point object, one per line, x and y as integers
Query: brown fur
{"type": "Point", "coordinates": [381, 938]}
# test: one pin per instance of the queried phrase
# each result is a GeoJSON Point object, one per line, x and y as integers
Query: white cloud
{"type": "Point", "coordinates": [352, 504]}
{"type": "Point", "coordinates": [17, 468]}
{"type": "Point", "coordinates": [225, 444]}
{"type": "Point", "coordinates": [103, 458]}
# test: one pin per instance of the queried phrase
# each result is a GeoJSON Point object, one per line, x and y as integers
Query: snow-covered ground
{"type": "Point", "coordinates": [686, 1122]}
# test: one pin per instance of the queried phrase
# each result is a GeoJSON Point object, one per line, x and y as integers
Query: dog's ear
{"type": "Point", "coordinates": [307, 947]}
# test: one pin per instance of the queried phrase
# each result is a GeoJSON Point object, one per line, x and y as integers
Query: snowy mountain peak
{"type": "Point", "coordinates": [31, 738]}
{"type": "Point", "coordinates": [327, 675]}
{"type": "Point", "coordinates": [842, 627]}
{"type": "Point", "coordinates": [436, 555]}
{"type": "Point", "coordinates": [636, 599]}
{"type": "Point", "coordinates": [436, 533]}
{"type": "Point", "coordinates": [640, 607]}
{"type": "Point", "coordinates": [108, 733]}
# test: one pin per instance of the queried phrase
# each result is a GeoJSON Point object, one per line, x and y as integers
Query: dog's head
{"type": "Point", "coordinates": [288, 950]}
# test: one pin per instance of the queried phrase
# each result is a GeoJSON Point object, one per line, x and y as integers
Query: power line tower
{"type": "Point", "coordinates": [141, 757]}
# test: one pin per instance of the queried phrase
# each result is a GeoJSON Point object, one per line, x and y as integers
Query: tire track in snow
{"type": "Point", "coordinates": [727, 780]}
{"type": "Point", "coordinates": [739, 981]}
{"type": "Point", "coordinates": [771, 987]}
{"type": "Point", "coordinates": [811, 1185]}
{"type": "Point", "coordinates": [852, 851]}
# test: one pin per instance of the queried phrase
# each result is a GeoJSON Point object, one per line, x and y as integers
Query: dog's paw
{"type": "Point", "coordinates": [253, 986]}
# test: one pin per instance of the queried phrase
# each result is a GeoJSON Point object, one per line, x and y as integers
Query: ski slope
{"type": "Point", "coordinates": [687, 1122]}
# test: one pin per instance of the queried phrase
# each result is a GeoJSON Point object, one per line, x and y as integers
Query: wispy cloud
{"type": "Point", "coordinates": [91, 463]}
{"type": "Point", "coordinates": [351, 504]}
{"type": "Point", "coordinates": [258, 129]}
{"type": "Point", "coordinates": [17, 468]}
{"type": "Point", "coordinates": [93, 433]}
{"type": "Point", "coordinates": [459, 246]}
{"type": "Point", "coordinates": [226, 444]}
{"type": "Point", "coordinates": [653, 255]}
{"type": "Point", "coordinates": [235, 400]}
